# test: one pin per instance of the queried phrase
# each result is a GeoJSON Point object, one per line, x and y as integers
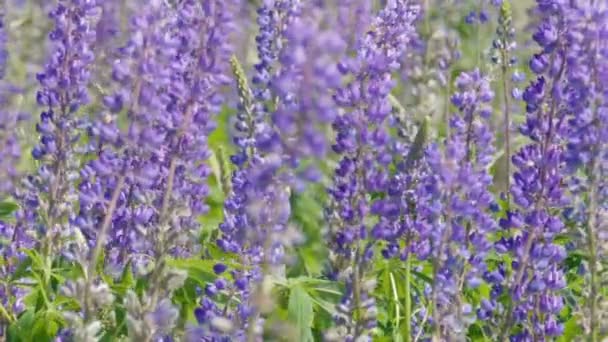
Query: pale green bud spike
{"type": "Point", "coordinates": [417, 148]}
{"type": "Point", "coordinates": [241, 82]}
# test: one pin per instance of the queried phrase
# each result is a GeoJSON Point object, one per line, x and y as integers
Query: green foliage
{"type": "Point", "coordinates": [7, 209]}
{"type": "Point", "coordinates": [301, 312]}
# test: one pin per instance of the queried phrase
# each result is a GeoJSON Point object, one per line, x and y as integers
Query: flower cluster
{"type": "Point", "coordinates": [535, 277]}
{"type": "Point", "coordinates": [361, 140]}
{"type": "Point", "coordinates": [375, 188]}
{"type": "Point", "coordinates": [453, 210]}
{"type": "Point", "coordinates": [10, 150]}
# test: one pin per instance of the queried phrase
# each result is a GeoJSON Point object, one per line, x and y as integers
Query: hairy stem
{"type": "Point", "coordinates": [407, 325]}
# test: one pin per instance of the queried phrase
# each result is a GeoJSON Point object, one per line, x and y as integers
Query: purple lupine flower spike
{"type": "Point", "coordinates": [197, 67]}
{"type": "Point", "coordinates": [46, 198]}
{"type": "Point", "coordinates": [111, 211]}
{"type": "Point", "coordinates": [538, 191]}
{"type": "Point", "coordinates": [308, 68]}
{"type": "Point", "coordinates": [10, 150]}
{"type": "Point", "coordinates": [453, 208]}
{"type": "Point", "coordinates": [11, 240]}
{"type": "Point", "coordinates": [257, 209]}
{"type": "Point", "coordinates": [587, 149]}
{"type": "Point", "coordinates": [361, 140]}
{"type": "Point", "coordinates": [63, 92]}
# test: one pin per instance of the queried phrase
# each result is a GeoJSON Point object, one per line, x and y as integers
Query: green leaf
{"type": "Point", "coordinates": [22, 329]}
{"type": "Point", "coordinates": [22, 270]}
{"type": "Point", "coordinates": [46, 325]}
{"type": "Point", "coordinates": [572, 330]}
{"type": "Point", "coordinates": [300, 312]}
{"type": "Point", "coordinates": [127, 280]}
{"type": "Point", "coordinates": [7, 208]}
{"type": "Point", "coordinates": [308, 215]}
{"type": "Point", "coordinates": [198, 269]}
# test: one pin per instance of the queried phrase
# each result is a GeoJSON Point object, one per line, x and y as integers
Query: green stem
{"type": "Point", "coordinates": [507, 132]}
{"type": "Point", "coordinates": [407, 328]}
{"type": "Point", "coordinates": [592, 221]}
{"type": "Point", "coordinates": [479, 51]}
{"type": "Point", "coordinates": [91, 271]}
{"type": "Point", "coordinates": [4, 312]}
{"type": "Point", "coordinates": [594, 334]}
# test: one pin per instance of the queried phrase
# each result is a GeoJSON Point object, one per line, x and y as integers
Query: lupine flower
{"type": "Point", "coordinates": [116, 175]}
{"type": "Point", "coordinates": [193, 98]}
{"type": "Point", "coordinates": [168, 80]}
{"type": "Point", "coordinates": [255, 227]}
{"type": "Point", "coordinates": [10, 150]}
{"type": "Point", "coordinates": [354, 17]}
{"type": "Point", "coordinates": [503, 54]}
{"type": "Point", "coordinates": [63, 92]}
{"type": "Point", "coordinates": [272, 18]}
{"type": "Point", "coordinates": [361, 141]}
{"type": "Point", "coordinates": [536, 276]}
{"type": "Point", "coordinates": [587, 100]}
{"type": "Point", "coordinates": [47, 197]}
{"type": "Point", "coordinates": [425, 240]}
{"type": "Point", "coordinates": [308, 68]}
{"type": "Point", "coordinates": [453, 206]}
{"type": "Point", "coordinates": [48, 193]}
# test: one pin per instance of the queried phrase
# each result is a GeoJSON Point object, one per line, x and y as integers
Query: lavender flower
{"type": "Point", "coordinates": [361, 140]}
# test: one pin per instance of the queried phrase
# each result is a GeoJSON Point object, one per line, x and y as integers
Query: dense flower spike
{"type": "Point", "coordinates": [140, 78]}
{"type": "Point", "coordinates": [272, 17]}
{"type": "Point", "coordinates": [115, 180]}
{"type": "Point", "coordinates": [47, 198]}
{"type": "Point", "coordinates": [308, 68]}
{"type": "Point", "coordinates": [587, 101]}
{"type": "Point", "coordinates": [168, 81]}
{"type": "Point", "coordinates": [535, 276]}
{"type": "Point", "coordinates": [361, 140]}
{"type": "Point", "coordinates": [10, 296]}
{"type": "Point", "coordinates": [198, 72]}
{"type": "Point", "coordinates": [504, 48]}
{"type": "Point", "coordinates": [63, 92]}
{"type": "Point", "coordinates": [453, 208]}
{"type": "Point", "coordinates": [255, 213]}
{"type": "Point", "coordinates": [10, 150]}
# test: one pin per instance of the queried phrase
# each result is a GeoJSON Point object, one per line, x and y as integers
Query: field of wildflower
{"type": "Point", "coordinates": [303, 170]}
